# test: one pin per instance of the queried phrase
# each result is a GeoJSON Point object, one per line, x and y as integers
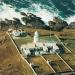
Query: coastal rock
{"type": "Point", "coordinates": [33, 21]}
{"type": "Point", "coordinates": [3, 24]}
{"type": "Point", "coordinates": [16, 22]}
{"type": "Point", "coordinates": [57, 24]}
{"type": "Point", "coordinates": [71, 25]}
{"type": "Point", "coordinates": [10, 23]}
{"type": "Point", "coordinates": [24, 14]}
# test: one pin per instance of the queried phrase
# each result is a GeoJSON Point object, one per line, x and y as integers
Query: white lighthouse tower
{"type": "Point", "coordinates": [36, 37]}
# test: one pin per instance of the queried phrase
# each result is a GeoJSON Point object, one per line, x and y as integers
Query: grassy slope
{"type": "Point", "coordinates": [10, 61]}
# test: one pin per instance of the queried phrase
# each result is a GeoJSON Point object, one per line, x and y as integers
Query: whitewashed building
{"type": "Point", "coordinates": [18, 33]}
{"type": "Point", "coordinates": [39, 48]}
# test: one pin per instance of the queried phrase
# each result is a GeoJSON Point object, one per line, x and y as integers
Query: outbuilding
{"type": "Point", "coordinates": [18, 33]}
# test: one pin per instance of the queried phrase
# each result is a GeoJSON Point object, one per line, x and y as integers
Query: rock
{"type": "Point", "coordinates": [33, 21]}
{"type": "Point", "coordinates": [17, 21]}
{"type": "Point", "coordinates": [71, 25]}
{"type": "Point", "coordinates": [24, 14]}
{"type": "Point", "coordinates": [51, 25]}
{"type": "Point", "coordinates": [57, 24]}
{"type": "Point", "coordinates": [10, 23]}
{"type": "Point", "coordinates": [3, 24]}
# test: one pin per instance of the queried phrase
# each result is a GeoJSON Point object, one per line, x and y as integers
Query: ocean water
{"type": "Point", "coordinates": [46, 9]}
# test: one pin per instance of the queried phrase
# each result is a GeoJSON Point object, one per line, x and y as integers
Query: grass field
{"type": "Point", "coordinates": [28, 39]}
{"type": "Point", "coordinates": [69, 43]}
{"type": "Point", "coordinates": [42, 32]}
{"type": "Point", "coordinates": [70, 59]}
{"type": "Point", "coordinates": [71, 46]}
{"type": "Point", "coordinates": [11, 62]}
{"type": "Point", "coordinates": [57, 63]}
{"type": "Point", "coordinates": [49, 38]}
{"type": "Point", "coordinates": [23, 40]}
{"type": "Point", "coordinates": [42, 66]}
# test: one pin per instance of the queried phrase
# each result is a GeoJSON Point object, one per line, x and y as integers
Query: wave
{"type": "Point", "coordinates": [70, 19]}
{"type": "Point", "coordinates": [8, 12]}
{"type": "Point", "coordinates": [44, 11]}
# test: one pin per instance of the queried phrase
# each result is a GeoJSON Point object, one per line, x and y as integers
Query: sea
{"type": "Point", "coordinates": [45, 9]}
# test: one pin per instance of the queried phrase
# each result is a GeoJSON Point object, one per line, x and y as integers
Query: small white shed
{"type": "Point", "coordinates": [16, 33]}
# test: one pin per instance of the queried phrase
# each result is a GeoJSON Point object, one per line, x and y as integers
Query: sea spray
{"type": "Point", "coordinates": [64, 9]}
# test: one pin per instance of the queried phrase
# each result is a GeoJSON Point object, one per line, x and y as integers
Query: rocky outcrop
{"type": "Point", "coordinates": [2, 24]}
{"type": "Point", "coordinates": [33, 21]}
{"type": "Point", "coordinates": [17, 23]}
{"type": "Point", "coordinates": [24, 14]}
{"type": "Point", "coordinates": [29, 19]}
{"type": "Point", "coordinates": [57, 24]}
{"type": "Point", "coordinates": [71, 25]}
{"type": "Point", "coordinates": [10, 23]}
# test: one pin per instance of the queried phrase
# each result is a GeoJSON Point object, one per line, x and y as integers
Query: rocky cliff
{"type": "Point", "coordinates": [71, 25]}
{"type": "Point", "coordinates": [32, 21]}
{"type": "Point", "coordinates": [29, 20]}
{"type": "Point", "coordinates": [57, 24]}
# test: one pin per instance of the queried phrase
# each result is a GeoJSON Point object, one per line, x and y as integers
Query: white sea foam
{"type": "Point", "coordinates": [73, 1]}
{"type": "Point", "coordinates": [70, 19]}
{"type": "Point", "coordinates": [8, 12]}
{"type": "Point", "coordinates": [37, 9]}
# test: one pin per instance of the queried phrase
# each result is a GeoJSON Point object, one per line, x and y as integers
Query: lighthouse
{"type": "Point", "coordinates": [36, 37]}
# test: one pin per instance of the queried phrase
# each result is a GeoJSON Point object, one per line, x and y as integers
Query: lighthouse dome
{"type": "Point", "coordinates": [36, 34]}
{"type": "Point", "coordinates": [36, 37]}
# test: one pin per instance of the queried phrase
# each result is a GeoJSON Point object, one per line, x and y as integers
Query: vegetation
{"type": "Point", "coordinates": [56, 63]}
{"type": "Point", "coordinates": [70, 59]}
{"type": "Point", "coordinates": [23, 40]}
{"type": "Point", "coordinates": [19, 67]}
{"type": "Point", "coordinates": [11, 63]}
{"type": "Point", "coordinates": [40, 66]}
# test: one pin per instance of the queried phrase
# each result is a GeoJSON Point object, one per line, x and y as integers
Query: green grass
{"type": "Point", "coordinates": [70, 44]}
{"type": "Point", "coordinates": [28, 39]}
{"type": "Point", "coordinates": [70, 59]}
{"type": "Point", "coordinates": [49, 38]}
{"type": "Point", "coordinates": [71, 47]}
{"type": "Point", "coordinates": [23, 40]}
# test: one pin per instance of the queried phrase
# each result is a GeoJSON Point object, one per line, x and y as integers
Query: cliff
{"type": "Point", "coordinates": [57, 24]}
{"type": "Point", "coordinates": [32, 21]}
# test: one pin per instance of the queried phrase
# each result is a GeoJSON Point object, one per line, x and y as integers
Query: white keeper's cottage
{"type": "Point", "coordinates": [18, 33]}
{"type": "Point", "coordinates": [38, 48]}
